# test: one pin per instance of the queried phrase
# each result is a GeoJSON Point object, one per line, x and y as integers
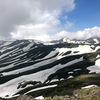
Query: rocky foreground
{"type": "Point", "coordinates": [82, 94]}
{"type": "Point", "coordinates": [90, 93]}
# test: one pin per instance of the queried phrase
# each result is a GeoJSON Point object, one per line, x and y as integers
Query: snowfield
{"type": "Point", "coordinates": [81, 49]}
{"type": "Point", "coordinates": [29, 60]}
{"type": "Point", "coordinates": [39, 76]}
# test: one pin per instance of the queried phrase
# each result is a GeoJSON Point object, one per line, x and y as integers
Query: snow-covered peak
{"type": "Point", "coordinates": [66, 40]}
{"type": "Point", "coordinates": [93, 40]}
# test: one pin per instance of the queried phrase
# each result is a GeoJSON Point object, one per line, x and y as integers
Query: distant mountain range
{"type": "Point", "coordinates": [92, 40]}
{"type": "Point", "coordinates": [24, 63]}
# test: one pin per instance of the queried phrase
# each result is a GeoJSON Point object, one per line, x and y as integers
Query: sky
{"type": "Point", "coordinates": [47, 20]}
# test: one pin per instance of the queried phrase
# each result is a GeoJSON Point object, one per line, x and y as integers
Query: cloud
{"type": "Point", "coordinates": [83, 34]}
{"type": "Point", "coordinates": [17, 16]}
{"type": "Point", "coordinates": [12, 13]}
{"type": "Point", "coordinates": [37, 31]}
{"type": "Point", "coordinates": [40, 20]}
{"type": "Point", "coordinates": [33, 32]}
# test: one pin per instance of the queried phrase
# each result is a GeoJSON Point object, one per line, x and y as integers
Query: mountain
{"type": "Point", "coordinates": [62, 40]}
{"type": "Point", "coordinates": [93, 40]}
{"type": "Point", "coordinates": [25, 63]}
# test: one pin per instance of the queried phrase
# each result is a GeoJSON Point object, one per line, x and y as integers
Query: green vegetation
{"type": "Point", "coordinates": [92, 93]}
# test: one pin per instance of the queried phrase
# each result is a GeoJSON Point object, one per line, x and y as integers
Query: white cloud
{"type": "Point", "coordinates": [37, 31]}
{"type": "Point", "coordinates": [39, 19]}
{"type": "Point", "coordinates": [83, 34]}
{"type": "Point", "coordinates": [42, 15]}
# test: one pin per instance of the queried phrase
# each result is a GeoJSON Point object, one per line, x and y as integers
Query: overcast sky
{"type": "Point", "coordinates": [49, 19]}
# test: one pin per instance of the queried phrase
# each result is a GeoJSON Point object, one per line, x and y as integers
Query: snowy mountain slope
{"type": "Point", "coordinates": [29, 60]}
{"type": "Point", "coordinates": [94, 40]}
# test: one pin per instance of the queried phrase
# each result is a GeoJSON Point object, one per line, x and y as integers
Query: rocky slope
{"type": "Point", "coordinates": [25, 63]}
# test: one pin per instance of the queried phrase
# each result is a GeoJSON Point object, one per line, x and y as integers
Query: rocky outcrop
{"type": "Point", "coordinates": [25, 97]}
{"type": "Point", "coordinates": [25, 83]}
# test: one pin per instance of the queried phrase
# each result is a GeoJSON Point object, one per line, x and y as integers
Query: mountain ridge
{"type": "Point", "coordinates": [23, 61]}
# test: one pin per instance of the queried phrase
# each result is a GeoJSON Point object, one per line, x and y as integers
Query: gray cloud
{"type": "Point", "coordinates": [14, 13]}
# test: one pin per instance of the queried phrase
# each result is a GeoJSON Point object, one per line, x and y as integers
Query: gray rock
{"type": "Point", "coordinates": [25, 97]}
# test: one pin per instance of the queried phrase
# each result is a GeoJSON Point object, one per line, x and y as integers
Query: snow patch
{"type": "Point", "coordinates": [93, 69]}
{"type": "Point", "coordinates": [81, 48]}
{"type": "Point", "coordinates": [98, 56]}
{"type": "Point", "coordinates": [97, 48]}
{"type": "Point", "coordinates": [39, 98]}
{"type": "Point", "coordinates": [41, 88]}
{"type": "Point", "coordinates": [28, 47]}
{"type": "Point", "coordinates": [70, 77]}
{"type": "Point", "coordinates": [97, 62]}
{"type": "Point", "coordinates": [89, 86]}
{"type": "Point", "coordinates": [96, 41]}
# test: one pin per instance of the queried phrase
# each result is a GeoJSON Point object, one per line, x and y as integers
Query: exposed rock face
{"type": "Point", "coordinates": [25, 97]}
{"type": "Point", "coordinates": [25, 83]}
